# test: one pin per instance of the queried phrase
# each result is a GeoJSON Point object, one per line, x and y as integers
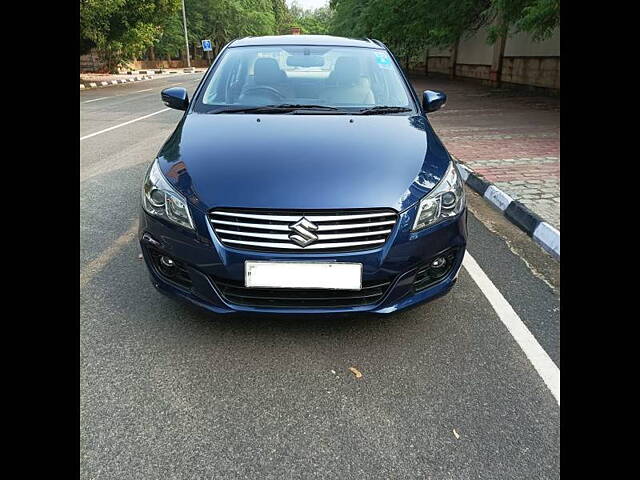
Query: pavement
{"type": "Point", "coordinates": [449, 390]}
{"type": "Point", "coordinates": [510, 138]}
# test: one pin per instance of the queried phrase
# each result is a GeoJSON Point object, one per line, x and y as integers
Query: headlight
{"type": "Point", "coordinates": [444, 201]}
{"type": "Point", "coordinates": [161, 200]}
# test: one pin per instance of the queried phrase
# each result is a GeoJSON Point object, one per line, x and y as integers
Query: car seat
{"type": "Point", "coordinates": [346, 84]}
{"type": "Point", "coordinates": [266, 72]}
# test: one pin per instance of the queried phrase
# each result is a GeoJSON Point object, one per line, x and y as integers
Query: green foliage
{"type": "Point", "coordinates": [311, 22]}
{"type": "Point", "coordinates": [282, 17]}
{"type": "Point", "coordinates": [223, 20]}
{"type": "Point", "coordinates": [408, 26]}
{"type": "Point", "coordinates": [399, 23]}
{"type": "Point", "coordinates": [95, 21]}
{"type": "Point", "coordinates": [537, 17]}
{"type": "Point", "coordinates": [170, 39]}
{"type": "Point", "coordinates": [122, 29]}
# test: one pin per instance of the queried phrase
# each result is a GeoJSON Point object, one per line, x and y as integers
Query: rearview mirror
{"type": "Point", "coordinates": [433, 100]}
{"type": "Point", "coordinates": [175, 97]}
{"type": "Point", "coordinates": [305, 61]}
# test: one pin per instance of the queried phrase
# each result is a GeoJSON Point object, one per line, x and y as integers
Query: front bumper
{"type": "Point", "coordinates": [206, 261]}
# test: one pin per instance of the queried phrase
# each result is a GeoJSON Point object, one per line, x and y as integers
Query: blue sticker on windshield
{"type": "Point", "coordinates": [383, 60]}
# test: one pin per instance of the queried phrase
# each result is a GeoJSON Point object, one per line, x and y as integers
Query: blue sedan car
{"type": "Point", "coordinates": [303, 177]}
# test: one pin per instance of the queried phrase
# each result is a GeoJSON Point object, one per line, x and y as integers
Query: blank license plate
{"type": "Point", "coordinates": [328, 275]}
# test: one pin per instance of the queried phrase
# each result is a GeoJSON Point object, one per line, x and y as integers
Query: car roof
{"type": "Point", "coordinates": [319, 40]}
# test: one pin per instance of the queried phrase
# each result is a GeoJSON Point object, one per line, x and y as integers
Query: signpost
{"type": "Point", "coordinates": [206, 47]}
{"type": "Point", "coordinates": [186, 37]}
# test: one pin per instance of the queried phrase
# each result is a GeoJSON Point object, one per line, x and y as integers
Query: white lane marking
{"type": "Point", "coordinates": [540, 360]}
{"type": "Point", "coordinates": [145, 90]}
{"type": "Point", "coordinates": [95, 99]}
{"type": "Point", "coordinates": [123, 124]}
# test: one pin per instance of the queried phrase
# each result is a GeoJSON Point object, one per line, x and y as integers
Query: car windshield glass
{"type": "Point", "coordinates": [314, 77]}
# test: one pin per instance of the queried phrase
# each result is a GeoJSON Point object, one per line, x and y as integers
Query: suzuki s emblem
{"type": "Point", "coordinates": [303, 232]}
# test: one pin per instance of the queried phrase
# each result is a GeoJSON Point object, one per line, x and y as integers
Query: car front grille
{"type": "Point", "coordinates": [236, 293]}
{"type": "Point", "coordinates": [303, 231]}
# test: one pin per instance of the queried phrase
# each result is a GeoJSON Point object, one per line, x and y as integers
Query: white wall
{"type": "Point", "coordinates": [521, 45]}
{"type": "Point", "coordinates": [522, 59]}
{"type": "Point", "coordinates": [474, 50]}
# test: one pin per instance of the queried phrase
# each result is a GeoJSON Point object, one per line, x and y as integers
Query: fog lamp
{"type": "Point", "coordinates": [439, 262]}
{"type": "Point", "coordinates": [166, 262]}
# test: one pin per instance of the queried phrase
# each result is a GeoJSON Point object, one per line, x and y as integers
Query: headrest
{"type": "Point", "coordinates": [346, 71]}
{"type": "Point", "coordinates": [266, 71]}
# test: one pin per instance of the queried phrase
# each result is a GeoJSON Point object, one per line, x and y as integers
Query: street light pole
{"type": "Point", "coordinates": [186, 38]}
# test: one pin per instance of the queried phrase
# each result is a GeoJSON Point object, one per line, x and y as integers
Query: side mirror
{"type": "Point", "coordinates": [433, 100]}
{"type": "Point", "coordinates": [175, 97]}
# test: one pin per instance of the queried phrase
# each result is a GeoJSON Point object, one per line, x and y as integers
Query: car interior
{"type": "Point", "coordinates": [341, 80]}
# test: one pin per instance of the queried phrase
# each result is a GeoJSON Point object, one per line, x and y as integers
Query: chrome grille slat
{"type": "Point", "coordinates": [313, 218]}
{"type": "Point", "coordinates": [270, 236]}
{"type": "Point", "coordinates": [316, 246]}
{"type": "Point", "coordinates": [329, 227]}
{"type": "Point", "coordinates": [321, 228]}
{"type": "Point", "coordinates": [260, 226]}
{"type": "Point", "coordinates": [283, 236]}
{"type": "Point", "coordinates": [303, 231]}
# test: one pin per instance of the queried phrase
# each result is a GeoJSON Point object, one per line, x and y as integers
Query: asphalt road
{"type": "Point", "coordinates": [170, 391]}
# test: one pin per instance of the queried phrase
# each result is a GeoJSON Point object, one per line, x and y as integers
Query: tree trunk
{"type": "Point", "coordinates": [426, 63]}
{"type": "Point", "coordinates": [453, 59]}
{"type": "Point", "coordinates": [152, 53]}
{"type": "Point", "coordinates": [495, 74]}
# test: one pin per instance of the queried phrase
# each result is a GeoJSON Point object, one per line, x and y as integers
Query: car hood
{"type": "Point", "coordinates": [303, 161]}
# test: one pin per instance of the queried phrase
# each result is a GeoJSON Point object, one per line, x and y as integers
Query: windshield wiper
{"type": "Point", "coordinates": [282, 108]}
{"type": "Point", "coordinates": [262, 109]}
{"type": "Point", "coordinates": [297, 106]}
{"type": "Point", "coordinates": [382, 109]}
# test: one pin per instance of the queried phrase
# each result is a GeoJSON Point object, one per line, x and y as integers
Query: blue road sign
{"type": "Point", "coordinates": [206, 46]}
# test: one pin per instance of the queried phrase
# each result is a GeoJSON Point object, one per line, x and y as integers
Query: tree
{"type": "Point", "coordinates": [311, 22]}
{"type": "Point", "coordinates": [122, 29]}
{"type": "Point", "coordinates": [95, 21]}
{"type": "Point", "coordinates": [537, 17]}
{"type": "Point", "coordinates": [396, 22]}
{"type": "Point", "coordinates": [282, 17]}
{"type": "Point", "coordinates": [170, 40]}
{"type": "Point", "coordinates": [408, 26]}
{"type": "Point", "coordinates": [224, 20]}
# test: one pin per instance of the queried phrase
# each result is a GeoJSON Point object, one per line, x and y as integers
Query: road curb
{"type": "Point", "coordinates": [138, 78]}
{"type": "Point", "coordinates": [544, 234]}
{"type": "Point", "coordinates": [142, 75]}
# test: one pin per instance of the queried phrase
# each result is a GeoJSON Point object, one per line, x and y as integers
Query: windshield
{"type": "Point", "coordinates": [313, 77]}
